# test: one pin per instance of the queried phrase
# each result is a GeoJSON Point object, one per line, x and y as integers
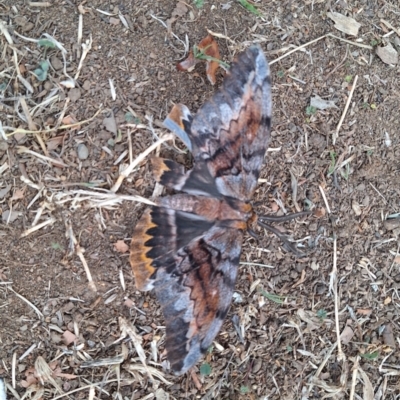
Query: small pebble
{"type": "Point", "coordinates": [83, 152]}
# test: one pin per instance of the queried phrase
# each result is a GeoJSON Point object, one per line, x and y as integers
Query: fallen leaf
{"type": "Point", "coordinates": [210, 48]}
{"type": "Point", "coordinates": [4, 191]}
{"type": "Point", "coordinates": [320, 212]}
{"type": "Point", "coordinates": [6, 217]}
{"type": "Point", "coordinates": [346, 335]}
{"type": "Point", "coordinates": [68, 338]}
{"type": "Point", "coordinates": [397, 259]}
{"type": "Point", "coordinates": [188, 64]}
{"type": "Point", "coordinates": [114, 21]}
{"type": "Point", "coordinates": [121, 246]}
{"type": "Point", "coordinates": [388, 337]}
{"type": "Point", "coordinates": [208, 51]}
{"type": "Point", "coordinates": [356, 208]}
{"type": "Point", "coordinates": [69, 120]}
{"type": "Point", "coordinates": [110, 124]}
{"type": "Point", "coordinates": [54, 142]}
{"type": "Point", "coordinates": [344, 24]}
{"type": "Point", "coordinates": [18, 194]}
{"type": "Point", "coordinates": [364, 311]}
{"type": "Point", "coordinates": [387, 301]}
{"type": "Point", "coordinates": [58, 374]}
{"type": "Point", "coordinates": [321, 104]}
{"type": "Point", "coordinates": [180, 10]}
{"type": "Point", "coordinates": [388, 54]}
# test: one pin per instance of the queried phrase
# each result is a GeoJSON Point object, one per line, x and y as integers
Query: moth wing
{"type": "Point", "coordinates": [197, 181]}
{"type": "Point", "coordinates": [178, 121]}
{"type": "Point", "coordinates": [196, 294]}
{"type": "Point", "coordinates": [231, 131]}
{"type": "Point", "coordinates": [192, 264]}
{"type": "Point", "coordinates": [158, 235]}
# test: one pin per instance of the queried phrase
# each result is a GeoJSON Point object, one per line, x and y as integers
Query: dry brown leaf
{"type": "Point", "coordinates": [209, 52]}
{"type": "Point", "coordinates": [58, 374]}
{"type": "Point", "coordinates": [320, 212]}
{"type": "Point", "coordinates": [364, 311]}
{"type": "Point", "coordinates": [54, 142]}
{"type": "Point", "coordinates": [344, 24]}
{"type": "Point", "coordinates": [69, 120]}
{"type": "Point", "coordinates": [68, 338]}
{"type": "Point", "coordinates": [210, 49]}
{"type": "Point", "coordinates": [346, 335]}
{"type": "Point", "coordinates": [397, 259]}
{"type": "Point", "coordinates": [30, 378]}
{"type": "Point", "coordinates": [388, 337]}
{"type": "Point", "coordinates": [387, 301]}
{"type": "Point", "coordinates": [121, 246]}
{"type": "Point", "coordinates": [180, 10]}
{"type": "Point", "coordinates": [18, 194]}
{"type": "Point", "coordinates": [188, 64]}
{"type": "Point", "coordinates": [388, 54]}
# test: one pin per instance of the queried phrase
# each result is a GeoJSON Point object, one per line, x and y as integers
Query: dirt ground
{"type": "Point", "coordinates": [65, 145]}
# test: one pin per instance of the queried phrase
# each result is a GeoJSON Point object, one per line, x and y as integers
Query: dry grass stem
{"type": "Point", "coordinates": [34, 308]}
{"type": "Point", "coordinates": [333, 287]}
{"type": "Point", "coordinates": [149, 370]}
{"type": "Point", "coordinates": [377, 191]}
{"type": "Point", "coordinates": [354, 378]}
{"type": "Point", "coordinates": [86, 48]}
{"type": "Point", "coordinates": [336, 133]}
{"type": "Point", "coordinates": [25, 150]}
{"type": "Point", "coordinates": [37, 227]}
{"type": "Point", "coordinates": [220, 36]}
{"type": "Point", "coordinates": [27, 352]}
{"type": "Point", "coordinates": [102, 362]}
{"type": "Point", "coordinates": [40, 4]}
{"type": "Point", "coordinates": [13, 369]}
{"type": "Point", "coordinates": [125, 173]}
{"type": "Point", "coordinates": [62, 127]}
{"type": "Point", "coordinates": [99, 384]}
{"type": "Point", "coordinates": [70, 234]}
{"type": "Point", "coordinates": [325, 199]}
{"type": "Point", "coordinates": [365, 46]}
{"type": "Point", "coordinates": [127, 329]}
{"type": "Point", "coordinates": [4, 168]}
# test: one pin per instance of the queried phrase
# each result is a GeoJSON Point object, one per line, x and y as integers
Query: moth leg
{"type": "Point", "coordinates": [287, 244]}
{"type": "Point", "coordinates": [283, 218]}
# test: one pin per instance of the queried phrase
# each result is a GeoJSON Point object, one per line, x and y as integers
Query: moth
{"type": "Point", "coordinates": [187, 247]}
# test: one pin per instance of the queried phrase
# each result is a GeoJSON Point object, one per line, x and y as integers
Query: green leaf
{"type": "Point", "coordinates": [44, 65]}
{"type": "Point", "coordinates": [333, 162]}
{"type": "Point", "coordinates": [198, 3]}
{"type": "Point", "coordinates": [56, 246]}
{"type": "Point", "coordinates": [370, 356]}
{"type": "Point", "coordinates": [201, 55]}
{"type": "Point", "coordinates": [348, 78]}
{"type": "Point", "coordinates": [311, 110]}
{"type": "Point", "coordinates": [249, 7]}
{"type": "Point", "coordinates": [273, 297]}
{"type": "Point", "coordinates": [244, 389]}
{"type": "Point", "coordinates": [46, 43]}
{"type": "Point", "coordinates": [40, 74]}
{"type": "Point", "coordinates": [321, 314]}
{"type": "Point", "coordinates": [205, 369]}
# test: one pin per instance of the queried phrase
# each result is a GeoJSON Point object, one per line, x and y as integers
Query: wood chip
{"type": "Point", "coordinates": [347, 25]}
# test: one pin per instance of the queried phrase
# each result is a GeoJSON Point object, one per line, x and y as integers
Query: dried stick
{"type": "Point", "coordinates": [336, 133]}
{"type": "Point", "coordinates": [125, 173]}
{"type": "Point", "coordinates": [79, 252]}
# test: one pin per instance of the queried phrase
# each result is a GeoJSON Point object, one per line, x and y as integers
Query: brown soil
{"type": "Point", "coordinates": [276, 345]}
